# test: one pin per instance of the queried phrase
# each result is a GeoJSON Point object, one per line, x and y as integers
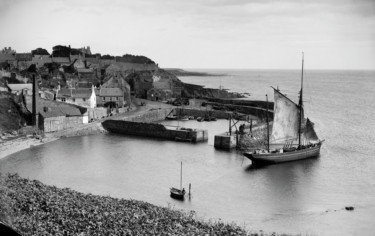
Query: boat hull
{"type": "Point", "coordinates": [274, 158]}
{"type": "Point", "coordinates": [177, 193]}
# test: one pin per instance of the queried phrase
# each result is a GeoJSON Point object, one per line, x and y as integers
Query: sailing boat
{"type": "Point", "coordinates": [178, 193]}
{"type": "Point", "coordinates": [289, 126]}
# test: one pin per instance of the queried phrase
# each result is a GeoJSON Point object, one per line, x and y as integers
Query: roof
{"type": "Point", "coordinates": [92, 60]}
{"type": "Point", "coordinates": [74, 93]}
{"type": "Point", "coordinates": [111, 92]}
{"type": "Point", "coordinates": [60, 111]}
{"type": "Point", "coordinates": [61, 59]}
{"type": "Point", "coordinates": [52, 113]}
{"type": "Point", "coordinates": [43, 58]}
{"type": "Point", "coordinates": [24, 56]}
{"type": "Point", "coordinates": [19, 87]}
{"type": "Point", "coordinates": [84, 84]}
{"type": "Point", "coordinates": [7, 57]}
{"type": "Point", "coordinates": [72, 109]}
{"type": "Point", "coordinates": [84, 70]}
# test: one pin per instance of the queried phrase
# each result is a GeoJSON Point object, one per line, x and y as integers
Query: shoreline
{"type": "Point", "coordinates": [179, 221]}
{"type": "Point", "coordinates": [182, 72]}
{"type": "Point", "coordinates": [39, 209]}
{"type": "Point", "coordinates": [15, 144]}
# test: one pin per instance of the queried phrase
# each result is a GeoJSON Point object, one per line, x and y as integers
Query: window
{"type": "Point", "coordinates": [110, 98]}
{"type": "Point", "coordinates": [84, 99]}
{"type": "Point", "coordinates": [74, 99]}
{"type": "Point", "coordinates": [103, 98]}
{"type": "Point", "coordinates": [63, 99]}
{"type": "Point", "coordinates": [116, 98]}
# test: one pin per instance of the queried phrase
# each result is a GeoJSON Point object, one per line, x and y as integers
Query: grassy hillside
{"type": "Point", "coordinates": [10, 116]}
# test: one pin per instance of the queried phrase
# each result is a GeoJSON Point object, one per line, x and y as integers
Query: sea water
{"type": "Point", "coordinates": [306, 197]}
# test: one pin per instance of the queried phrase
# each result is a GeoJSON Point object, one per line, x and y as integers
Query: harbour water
{"type": "Point", "coordinates": [306, 197]}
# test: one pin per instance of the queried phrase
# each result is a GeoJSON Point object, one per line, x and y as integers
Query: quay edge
{"type": "Point", "coordinates": [154, 130]}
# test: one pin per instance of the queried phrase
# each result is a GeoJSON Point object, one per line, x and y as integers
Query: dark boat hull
{"type": "Point", "coordinates": [274, 158]}
{"type": "Point", "coordinates": [177, 194]}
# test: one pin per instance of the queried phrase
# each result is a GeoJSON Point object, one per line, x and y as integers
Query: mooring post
{"type": "Point", "coordinates": [230, 125]}
{"type": "Point", "coordinates": [189, 189]}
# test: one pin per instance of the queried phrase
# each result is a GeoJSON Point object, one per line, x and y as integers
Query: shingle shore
{"type": "Point", "coordinates": [39, 209]}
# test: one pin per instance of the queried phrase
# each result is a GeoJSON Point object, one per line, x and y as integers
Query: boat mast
{"type": "Point", "coordinates": [268, 127]}
{"type": "Point", "coordinates": [181, 177]}
{"type": "Point", "coordinates": [300, 105]}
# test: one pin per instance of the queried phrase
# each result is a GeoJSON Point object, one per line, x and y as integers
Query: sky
{"type": "Point", "coordinates": [238, 34]}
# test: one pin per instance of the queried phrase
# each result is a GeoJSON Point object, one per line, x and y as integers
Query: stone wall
{"type": "Point", "coordinates": [201, 113]}
{"type": "Point", "coordinates": [52, 124]}
{"type": "Point", "coordinates": [96, 113]}
{"type": "Point", "coordinates": [154, 130]}
{"type": "Point", "coordinates": [150, 116]}
{"type": "Point", "coordinates": [87, 129]}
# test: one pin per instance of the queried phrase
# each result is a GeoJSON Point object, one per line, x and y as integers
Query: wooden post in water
{"type": "Point", "coordinates": [189, 190]}
{"type": "Point", "coordinates": [181, 177]}
{"type": "Point", "coordinates": [268, 127]}
{"type": "Point", "coordinates": [230, 125]}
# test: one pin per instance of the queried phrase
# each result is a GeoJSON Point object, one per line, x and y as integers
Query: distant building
{"type": "Point", "coordinates": [55, 116]}
{"type": "Point", "coordinates": [111, 97]}
{"type": "Point", "coordinates": [9, 58]}
{"type": "Point", "coordinates": [85, 50]}
{"type": "Point", "coordinates": [118, 81]}
{"type": "Point", "coordinates": [59, 118]}
{"type": "Point", "coordinates": [7, 50]}
{"type": "Point", "coordinates": [85, 97]}
{"type": "Point", "coordinates": [156, 94]}
{"type": "Point", "coordinates": [40, 60]}
{"type": "Point", "coordinates": [24, 57]}
{"type": "Point", "coordinates": [61, 60]}
{"type": "Point", "coordinates": [86, 74]}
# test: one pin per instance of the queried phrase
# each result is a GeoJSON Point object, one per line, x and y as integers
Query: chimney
{"type": "Point", "coordinates": [35, 109]}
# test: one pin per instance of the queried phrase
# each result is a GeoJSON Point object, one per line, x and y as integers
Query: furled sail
{"type": "Point", "coordinates": [285, 120]}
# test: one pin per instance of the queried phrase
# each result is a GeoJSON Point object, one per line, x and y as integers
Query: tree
{"type": "Point", "coordinates": [39, 51]}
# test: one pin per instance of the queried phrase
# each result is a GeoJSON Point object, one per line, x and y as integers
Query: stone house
{"type": "Point", "coordinates": [84, 97]}
{"type": "Point", "coordinates": [140, 83]}
{"type": "Point", "coordinates": [54, 116]}
{"type": "Point", "coordinates": [9, 58]}
{"type": "Point", "coordinates": [40, 60]}
{"type": "Point", "coordinates": [86, 74]}
{"type": "Point", "coordinates": [111, 97]}
{"type": "Point", "coordinates": [79, 63]}
{"type": "Point", "coordinates": [156, 94]}
{"type": "Point", "coordinates": [61, 60]}
{"type": "Point", "coordinates": [23, 60]}
{"type": "Point", "coordinates": [59, 118]}
{"type": "Point", "coordinates": [118, 81]}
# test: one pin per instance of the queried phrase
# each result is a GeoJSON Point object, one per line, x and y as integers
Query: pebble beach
{"type": "Point", "coordinates": [38, 209]}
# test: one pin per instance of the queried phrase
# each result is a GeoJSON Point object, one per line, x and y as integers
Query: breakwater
{"type": "Point", "coordinates": [155, 131]}
{"type": "Point", "coordinates": [219, 114]}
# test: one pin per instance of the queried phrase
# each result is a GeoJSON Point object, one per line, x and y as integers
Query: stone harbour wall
{"type": "Point", "coordinates": [155, 131]}
{"type": "Point", "coordinates": [150, 116]}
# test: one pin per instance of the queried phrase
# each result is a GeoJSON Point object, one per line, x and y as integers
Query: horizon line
{"type": "Point", "coordinates": [315, 69]}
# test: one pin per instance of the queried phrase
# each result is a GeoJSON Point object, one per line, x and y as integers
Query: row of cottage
{"type": "Point", "coordinates": [69, 107]}
{"type": "Point", "coordinates": [79, 101]}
